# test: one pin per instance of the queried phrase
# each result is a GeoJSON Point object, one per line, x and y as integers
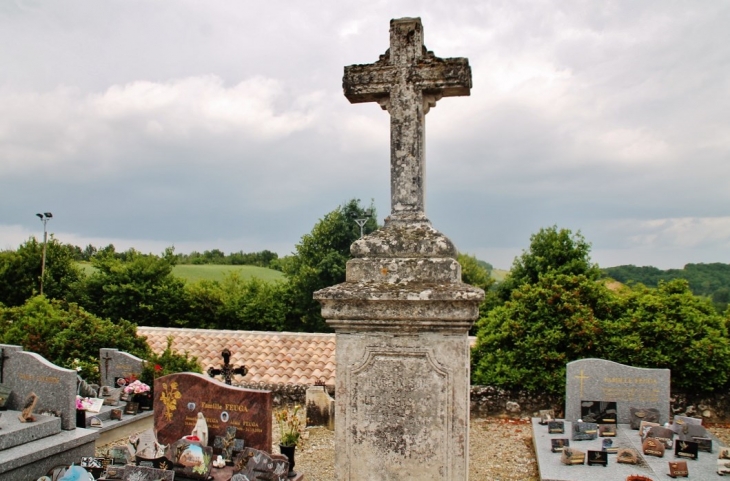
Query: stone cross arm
{"type": "Point", "coordinates": [445, 77]}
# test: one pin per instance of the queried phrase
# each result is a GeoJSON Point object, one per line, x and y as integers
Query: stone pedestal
{"type": "Point", "coordinates": [401, 323]}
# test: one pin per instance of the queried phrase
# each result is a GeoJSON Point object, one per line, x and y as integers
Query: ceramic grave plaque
{"type": "Point", "coordinates": [114, 364]}
{"type": "Point", "coordinates": [180, 397]}
{"type": "Point", "coordinates": [254, 464]}
{"type": "Point", "coordinates": [27, 372]}
{"type": "Point", "coordinates": [607, 381]}
{"type": "Point", "coordinates": [142, 473]}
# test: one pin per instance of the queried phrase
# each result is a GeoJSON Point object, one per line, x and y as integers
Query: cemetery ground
{"type": "Point", "coordinates": [500, 449]}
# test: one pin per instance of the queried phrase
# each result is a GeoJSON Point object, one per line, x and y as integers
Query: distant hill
{"type": "Point", "coordinates": [710, 280]}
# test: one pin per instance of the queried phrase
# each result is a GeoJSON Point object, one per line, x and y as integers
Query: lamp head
{"type": "Point", "coordinates": [40, 216]}
{"type": "Point", "coordinates": [48, 215]}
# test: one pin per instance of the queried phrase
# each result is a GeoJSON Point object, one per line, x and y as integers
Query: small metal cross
{"type": "Point", "coordinates": [227, 371]}
{"type": "Point", "coordinates": [106, 366]}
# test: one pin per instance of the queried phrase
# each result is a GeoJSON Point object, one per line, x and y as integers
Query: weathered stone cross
{"type": "Point", "coordinates": [407, 81]}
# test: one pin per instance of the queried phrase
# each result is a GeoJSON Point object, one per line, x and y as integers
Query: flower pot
{"type": "Point", "coordinates": [288, 451]}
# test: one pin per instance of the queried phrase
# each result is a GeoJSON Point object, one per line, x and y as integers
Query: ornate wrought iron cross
{"type": "Point", "coordinates": [227, 371]}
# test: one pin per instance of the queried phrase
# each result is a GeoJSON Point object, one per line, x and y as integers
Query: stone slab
{"type": "Point", "coordinates": [180, 397]}
{"type": "Point", "coordinates": [34, 459]}
{"type": "Point", "coordinates": [14, 433]}
{"type": "Point", "coordinates": [26, 372]}
{"type": "Point", "coordinates": [551, 469]}
{"type": "Point", "coordinates": [116, 430]}
{"type": "Point", "coordinates": [601, 380]}
{"type": "Point", "coordinates": [114, 363]}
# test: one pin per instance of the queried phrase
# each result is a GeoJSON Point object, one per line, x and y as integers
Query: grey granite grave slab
{"type": "Point", "coordinates": [551, 469]}
{"type": "Point", "coordinates": [14, 433]}
{"type": "Point", "coordinates": [114, 363]}
{"type": "Point", "coordinates": [33, 459]}
{"type": "Point", "coordinates": [601, 380]}
{"type": "Point", "coordinates": [26, 372]}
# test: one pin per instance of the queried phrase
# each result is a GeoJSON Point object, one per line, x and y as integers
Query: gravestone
{"type": "Point", "coordinates": [114, 364]}
{"type": "Point", "coordinates": [180, 397]}
{"type": "Point", "coordinates": [27, 372]}
{"type": "Point", "coordinates": [320, 407]}
{"type": "Point", "coordinates": [601, 380]}
{"type": "Point", "coordinates": [402, 316]}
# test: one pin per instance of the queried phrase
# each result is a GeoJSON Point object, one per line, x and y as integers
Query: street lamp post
{"type": "Point", "coordinates": [44, 217]}
{"type": "Point", "coordinates": [362, 222]}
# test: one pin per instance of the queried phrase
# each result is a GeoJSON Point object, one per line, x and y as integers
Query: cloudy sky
{"type": "Point", "coordinates": [222, 124]}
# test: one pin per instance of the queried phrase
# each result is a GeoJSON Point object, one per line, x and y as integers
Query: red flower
{"type": "Point", "coordinates": [158, 368]}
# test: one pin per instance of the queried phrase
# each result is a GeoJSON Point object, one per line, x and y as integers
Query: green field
{"type": "Point", "coordinates": [193, 273]}
{"type": "Point", "coordinates": [499, 274]}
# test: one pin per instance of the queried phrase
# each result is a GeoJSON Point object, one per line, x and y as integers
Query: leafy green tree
{"type": "Point", "coordinates": [552, 250]}
{"type": "Point", "coordinates": [66, 334]}
{"type": "Point", "coordinates": [526, 343]}
{"type": "Point", "coordinates": [669, 327]}
{"type": "Point", "coordinates": [474, 272]}
{"type": "Point", "coordinates": [137, 287]}
{"type": "Point", "coordinates": [20, 271]}
{"type": "Point", "coordinates": [319, 262]}
{"type": "Point", "coordinates": [236, 303]}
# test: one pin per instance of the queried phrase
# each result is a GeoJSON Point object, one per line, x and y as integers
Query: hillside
{"type": "Point", "coordinates": [196, 272]}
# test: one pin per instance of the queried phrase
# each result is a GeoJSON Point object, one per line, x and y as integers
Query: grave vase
{"type": "Point", "coordinates": [144, 400]}
{"type": "Point", "coordinates": [288, 451]}
{"type": "Point", "coordinates": [80, 418]}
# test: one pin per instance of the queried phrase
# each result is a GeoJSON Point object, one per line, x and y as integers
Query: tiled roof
{"type": "Point", "coordinates": [270, 357]}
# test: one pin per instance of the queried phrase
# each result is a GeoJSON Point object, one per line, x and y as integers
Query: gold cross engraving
{"type": "Point", "coordinates": [582, 377]}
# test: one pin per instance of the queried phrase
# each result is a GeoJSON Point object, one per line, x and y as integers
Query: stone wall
{"type": "Point", "coordinates": [492, 401]}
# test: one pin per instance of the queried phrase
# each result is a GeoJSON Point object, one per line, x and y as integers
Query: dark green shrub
{"type": "Point", "coordinates": [168, 362]}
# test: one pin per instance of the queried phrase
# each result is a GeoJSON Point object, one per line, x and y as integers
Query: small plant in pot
{"type": "Point", "coordinates": [290, 429]}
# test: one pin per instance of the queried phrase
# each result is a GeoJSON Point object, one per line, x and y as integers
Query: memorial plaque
{"type": "Point", "coordinates": [607, 445]}
{"type": "Point", "coordinates": [556, 427]}
{"type": "Point", "coordinates": [682, 424]}
{"type": "Point", "coordinates": [609, 381]}
{"type": "Point", "coordinates": [644, 428]}
{"type": "Point", "coordinates": [665, 435]}
{"type": "Point", "coordinates": [191, 459]}
{"type": "Point", "coordinates": [627, 456]}
{"type": "Point", "coordinates": [643, 414]}
{"type": "Point", "coordinates": [572, 456]}
{"type": "Point", "coordinates": [695, 433]}
{"type": "Point", "coordinates": [131, 408]}
{"type": "Point", "coordinates": [557, 445]}
{"type": "Point", "coordinates": [253, 464]}
{"type": "Point", "coordinates": [597, 458]}
{"type": "Point", "coordinates": [685, 449]}
{"type": "Point", "coordinates": [143, 473]}
{"type": "Point", "coordinates": [180, 397]}
{"type": "Point", "coordinates": [678, 469]}
{"type": "Point", "coordinates": [653, 447]}
{"type": "Point", "coordinates": [584, 431]}
{"type": "Point", "coordinates": [607, 430]}
{"type": "Point", "coordinates": [119, 455]}
{"type": "Point", "coordinates": [598, 412]}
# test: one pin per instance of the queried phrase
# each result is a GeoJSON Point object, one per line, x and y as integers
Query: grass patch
{"type": "Point", "coordinates": [212, 272]}
{"type": "Point", "coordinates": [499, 274]}
{"type": "Point", "coordinates": [195, 272]}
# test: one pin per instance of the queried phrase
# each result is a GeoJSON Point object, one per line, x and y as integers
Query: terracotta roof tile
{"type": "Point", "coordinates": [270, 357]}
